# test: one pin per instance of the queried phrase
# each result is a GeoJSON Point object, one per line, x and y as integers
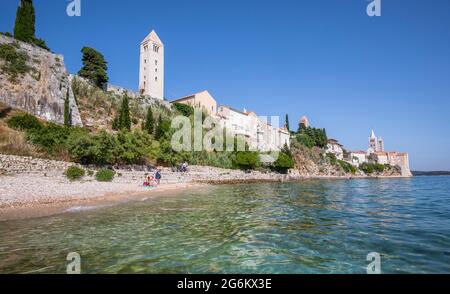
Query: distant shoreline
{"type": "Point", "coordinates": [430, 173]}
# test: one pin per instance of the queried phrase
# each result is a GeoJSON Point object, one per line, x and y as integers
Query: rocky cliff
{"type": "Point", "coordinates": [39, 86]}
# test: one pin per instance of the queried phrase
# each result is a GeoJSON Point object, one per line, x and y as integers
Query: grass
{"type": "Point", "coordinates": [14, 62]}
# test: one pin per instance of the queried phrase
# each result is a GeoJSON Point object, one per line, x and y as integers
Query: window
{"type": "Point", "coordinates": [145, 48]}
{"type": "Point", "coordinates": [156, 79]}
{"type": "Point", "coordinates": [145, 60]}
{"type": "Point", "coordinates": [156, 70]}
{"type": "Point", "coordinates": [156, 62]}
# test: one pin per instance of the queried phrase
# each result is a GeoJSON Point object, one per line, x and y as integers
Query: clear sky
{"type": "Point", "coordinates": [328, 60]}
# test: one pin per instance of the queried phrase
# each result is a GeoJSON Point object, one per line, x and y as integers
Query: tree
{"type": "Point", "coordinates": [94, 67]}
{"type": "Point", "coordinates": [24, 28]}
{"type": "Point", "coordinates": [149, 125]}
{"type": "Point", "coordinates": [287, 122]}
{"type": "Point", "coordinates": [67, 111]}
{"type": "Point", "coordinates": [162, 129]}
{"type": "Point", "coordinates": [122, 119]}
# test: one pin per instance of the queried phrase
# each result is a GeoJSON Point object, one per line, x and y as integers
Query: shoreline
{"type": "Point", "coordinates": [32, 188]}
{"type": "Point", "coordinates": [59, 205]}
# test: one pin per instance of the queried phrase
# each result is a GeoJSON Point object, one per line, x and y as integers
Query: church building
{"type": "Point", "coordinates": [151, 70]}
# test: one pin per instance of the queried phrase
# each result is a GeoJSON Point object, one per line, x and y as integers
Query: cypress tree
{"type": "Point", "coordinates": [159, 130]}
{"type": "Point", "coordinates": [149, 121]}
{"type": "Point", "coordinates": [67, 112]}
{"type": "Point", "coordinates": [287, 122]}
{"type": "Point", "coordinates": [24, 28]}
{"type": "Point", "coordinates": [124, 117]}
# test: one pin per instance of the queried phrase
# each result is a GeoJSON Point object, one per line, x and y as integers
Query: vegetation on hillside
{"type": "Point", "coordinates": [24, 27]}
{"type": "Point", "coordinates": [94, 67]}
{"type": "Point", "coordinates": [14, 62]}
{"type": "Point", "coordinates": [312, 137]}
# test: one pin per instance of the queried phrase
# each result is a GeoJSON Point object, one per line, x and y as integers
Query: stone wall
{"type": "Point", "coordinates": [11, 164]}
{"type": "Point", "coordinates": [43, 90]}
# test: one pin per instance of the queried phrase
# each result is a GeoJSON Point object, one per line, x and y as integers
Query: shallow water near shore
{"type": "Point", "coordinates": [315, 226]}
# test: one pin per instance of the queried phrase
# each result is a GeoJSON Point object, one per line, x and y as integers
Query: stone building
{"type": "Point", "coordinates": [304, 121]}
{"type": "Point", "coordinates": [202, 100]}
{"type": "Point", "coordinates": [151, 70]}
{"type": "Point", "coordinates": [335, 148]}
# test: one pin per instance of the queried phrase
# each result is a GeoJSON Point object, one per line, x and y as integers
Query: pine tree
{"type": "Point", "coordinates": [149, 121]}
{"type": "Point", "coordinates": [67, 111]}
{"type": "Point", "coordinates": [94, 67]}
{"type": "Point", "coordinates": [24, 28]}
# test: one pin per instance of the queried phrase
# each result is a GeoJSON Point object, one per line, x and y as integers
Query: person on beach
{"type": "Point", "coordinates": [158, 177]}
{"type": "Point", "coordinates": [150, 182]}
{"type": "Point", "coordinates": [184, 167]}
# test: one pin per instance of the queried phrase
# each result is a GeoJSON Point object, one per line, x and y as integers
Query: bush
{"type": "Point", "coordinates": [74, 173]}
{"type": "Point", "coordinates": [105, 175]}
{"type": "Point", "coordinates": [332, 158]}
{"type": "Point", "coordinates": [184, 109]}
{"type": "Point", "coordinates": [283, 162]}
{"type": "Point", "coordinates": [305, 140]}
{"type": "Point", "coordinates": [247, 159]}
{"type": "Point", "coordinates": [50, 137]}
{"type": "Point", "coordinates": [24, 122]}
{"type": "Point", "coordinates": [14, 62]}
{"type": "Point", "coordinates": [347, 167]}
{"type": "Point", "coordinates": [370, 168]}
{"type": "Point", "coordinates": [379, 167]}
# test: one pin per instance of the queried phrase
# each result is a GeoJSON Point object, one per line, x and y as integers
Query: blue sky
{"type": "Point", "coordinates": [347, 72]}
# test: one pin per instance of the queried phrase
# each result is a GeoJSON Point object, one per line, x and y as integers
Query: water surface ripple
{"type": "Point", "coordinates": [317, 226]}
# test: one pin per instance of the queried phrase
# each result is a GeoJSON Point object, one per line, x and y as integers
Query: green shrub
{"type": "Point", "coordinates": [284, 162]}
{"type": "Point", "coordinates": [379, 167]}
{"type": "Point", "coordinates": [184, 109]}
{"type": "Point", "coordinates": [50, 137]}
{"type": "Point", "coordinates": [247, 159]}
{"type": "Point", "coordinates": [105, 175]}
{"type": "Point", "coordinates": [14, 62]}
{"type": "Point", "coordinates": [370, 168]}
{"type": "Point", "coordinates": [305, 140]}
{"type": "Point", "coordinates": [347, 167]}
{"type": "Point", "coordinates": [24, 122]}
{"type": "Point", "coordinates": [74, 173]}
{"type": "Point", "coordinates": [332, 158]}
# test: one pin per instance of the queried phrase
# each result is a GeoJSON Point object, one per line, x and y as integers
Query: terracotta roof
{"type": "Point", "coordinates": [358, 152]}
{"type": "Point", "coordinates": [189, 97]}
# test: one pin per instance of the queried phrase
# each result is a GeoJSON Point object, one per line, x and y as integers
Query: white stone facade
{"type": "Point", "coordinates": [259, 133]}
{"type": "Point", "coordinates": [151, 70]}
{"type": "Point", "coordinates": [335, 148]}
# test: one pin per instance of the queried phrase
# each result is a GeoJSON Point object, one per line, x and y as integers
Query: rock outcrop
{"type": "Point", "coordinates": [43, 89]}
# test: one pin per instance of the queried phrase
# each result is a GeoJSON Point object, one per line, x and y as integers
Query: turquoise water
{"type": "Point", "coordinates": [317, 226]}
